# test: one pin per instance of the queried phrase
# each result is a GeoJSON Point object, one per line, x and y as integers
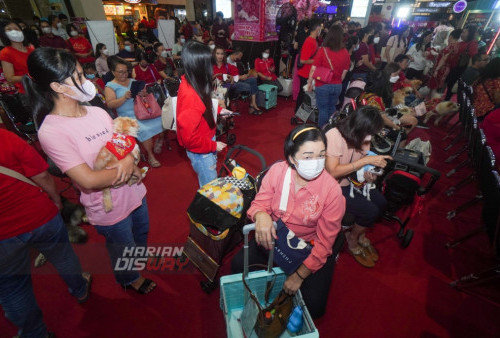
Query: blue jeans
{"type": "Point", "coordinates": [326, 99]}
{"type": "Point", "coordinates": [205, 166]}
{"type": "Point", "coordinates": [130, 232]}
{"type": "Point", "coordinates": [362, 76]}
{"type": "Point", "coordinates": [248, 85]}
{"type": "Point", "coordinates": [16, 289]}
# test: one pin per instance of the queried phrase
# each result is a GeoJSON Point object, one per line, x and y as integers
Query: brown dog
{"type": "Point", "coordinates": [122, 143]}
{"type": "Point", "coordinates": [416, 83]}
{"type": "Point", "coordinates": [400, 94]}
{"type": "Point", "coordinates": [441, 110]}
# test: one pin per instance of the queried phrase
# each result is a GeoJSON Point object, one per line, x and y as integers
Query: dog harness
{"type": "Point", "coordinates": [121, 145]}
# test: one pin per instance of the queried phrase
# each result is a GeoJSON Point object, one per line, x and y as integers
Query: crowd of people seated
{"type": "Point", "coordinates": [54, 68]}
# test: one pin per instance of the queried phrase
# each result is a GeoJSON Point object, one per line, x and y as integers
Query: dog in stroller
{"type": "Point", "coordinates": [217, 215]}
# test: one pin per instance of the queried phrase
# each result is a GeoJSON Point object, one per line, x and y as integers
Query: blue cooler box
{"type": "Point", "coordinates": [267, 96]}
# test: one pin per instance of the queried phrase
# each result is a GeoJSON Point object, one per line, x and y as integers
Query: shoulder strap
{"type": "Point", "coordinates": [326, 54]}
{"type": "Point", "coordinates": [16, 175]}
{"type": "Point", "coordinates": [152, 73]}
{"type": "Point", "coordinates": [285, 190]}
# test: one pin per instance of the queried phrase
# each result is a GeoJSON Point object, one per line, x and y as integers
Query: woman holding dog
{"type": "Point", "coordinates": [347, 149]}
{"type": "Point", "coordinates": [314, 212]}
{"type": "Point", "coordinates": [378, 93]}
{"type": "Point", "coordinates": [72, 135]}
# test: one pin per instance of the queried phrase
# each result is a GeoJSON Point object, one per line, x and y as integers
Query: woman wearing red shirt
{"type": "Point", "coordinates": [467, 46]}
{"type": "Point", "coordinates": [237, 83]}
{"type": "Point", "coordinates": [444, 60]}
{"type": "Point", "coordinates": [195, 115]}
{"type": "Point", "coordinates": [265, 70]}
{"type": "Point", "coordinates": [332, 55]}
{"type": "Point", "coordinates": [79, 46]}
{"type": "Point", "coordinates": [143, 71]}
{"type": "Point", "coordinates": [15, 54]}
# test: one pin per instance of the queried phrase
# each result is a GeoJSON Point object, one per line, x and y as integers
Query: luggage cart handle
{"type": "Point", "coordinates": [246, 230]}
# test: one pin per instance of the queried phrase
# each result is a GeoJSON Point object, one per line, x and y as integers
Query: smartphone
{"type": "Point", "coordinates": [136, 87]}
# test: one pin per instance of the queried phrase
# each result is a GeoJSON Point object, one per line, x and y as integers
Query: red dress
{"type": "Point", "coordinates": [81, 45]}
{"type": "Point", "coordinates": [18, 60]}
{"type": "Point", "coordinates": [150, 75]}
{"type": "Point", "coordinates": [437, 79]}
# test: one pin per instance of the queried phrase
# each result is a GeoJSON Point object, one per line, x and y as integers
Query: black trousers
{"type": "Point", "coordinates": [414, 74]}
{"type": "Point", "coordinates": [314, 289]}
{"type": "Point", "coordinates": [451, 79]}
{"type": "Point", "coordinates": [300, 97]}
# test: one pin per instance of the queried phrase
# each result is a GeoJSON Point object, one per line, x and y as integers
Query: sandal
{"type": "Point", "coordinates": [143, 289]}
{"type": "Point", "coordinates": [254, 111]}
{"type": "Point", "coordinates": [370, 249]}
{"type": "Point", "coordinates": [158, 145]}
{"type": "Point", "coordinates": [88, 277]}
{"type": "Point", "coordinates": [154, 163]}
{"type": "Point", "coordinates": [362, 258]}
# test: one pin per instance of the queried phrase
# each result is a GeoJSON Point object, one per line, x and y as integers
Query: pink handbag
{"type": "Point", "coordinates": [146, 107]}
{"type": "Point", "coordinates": [324, 74]}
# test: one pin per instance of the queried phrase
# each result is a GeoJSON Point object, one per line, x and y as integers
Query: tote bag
{"type": "Point", "coordinates": [146, 107]}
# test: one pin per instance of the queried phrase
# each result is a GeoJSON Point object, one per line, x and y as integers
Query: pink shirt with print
{"type": "Point", "coordinates": [314, 212]}
{"type": "Point", "coordinates": [337, 147]}
{"type": "Point", "coordinates": [71, 141]}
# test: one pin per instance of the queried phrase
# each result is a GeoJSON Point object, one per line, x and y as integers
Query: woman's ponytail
{"type": "Point", "coordinates": [41, 104]}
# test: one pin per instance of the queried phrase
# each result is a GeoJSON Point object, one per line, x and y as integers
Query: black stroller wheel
{"type": "Point", "coordinates": [208, 286]}
{"type": "Point", "coordinates": [407, 238]}
{"type": "Point", "coordinates": [231, 139]}
{"type": "Point", "coordinates": [293, 120]}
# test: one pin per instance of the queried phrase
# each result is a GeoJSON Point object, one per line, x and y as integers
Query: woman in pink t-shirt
{"type": "Point", "coordinates": [313, 212]}
{"type": "Point", "coordinates": [72, 135]}
{"type": "Point", "coordinates": [348, 145]}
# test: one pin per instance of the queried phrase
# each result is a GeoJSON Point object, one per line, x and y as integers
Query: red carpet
{"type": "Point", "coordinates": [407, 294]}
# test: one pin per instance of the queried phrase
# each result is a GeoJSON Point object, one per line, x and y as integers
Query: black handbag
{"type": "Point", "coordinates": [289, 250]}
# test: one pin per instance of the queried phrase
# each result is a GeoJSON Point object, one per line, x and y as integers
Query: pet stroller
{"type": "Point", "coordinates": [353, 91]}
{"type": "Point", "coordinates": [308, 110]}
{"type": "Point", "coordinates": [405, 184]}
{"type": "Point", "coordinates": [217, 215]}
{"type": "Point", "coordinates": [225, 123]}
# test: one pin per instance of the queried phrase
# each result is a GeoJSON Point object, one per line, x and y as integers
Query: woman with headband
{"type": "Point", "coordinates": [314, 212]}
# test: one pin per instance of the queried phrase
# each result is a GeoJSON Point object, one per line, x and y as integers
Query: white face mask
{"type": "Point", "coordinates": [265, 55]}
{"type": "Point", "coordinates": [356, 48]}
{"type": "Point", "coordinates": [183, 41]}
{"type": "Point", "coordinates": [164, 54]}
{"type": "Point", "coordinates": [59, 25]}
{"type": "Point", "coordinates": [46, 30]}
{"type": "Point", "coordinates": [89, 92]}
{"type": "Point", "coordinates": [16, 36]}
{"type": "Point", "coordinates": [105, 51]}
{"type": "Point", "coordinates": [310, 169]}
{"type": "Point", "coordinates": [73, 33]}
{"type": "Point", "coordinates": [376, 40]}
{"type": "Point", "coordinates": [394, 79]}
{"type": "Point", "coordinates": [212, 47]}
